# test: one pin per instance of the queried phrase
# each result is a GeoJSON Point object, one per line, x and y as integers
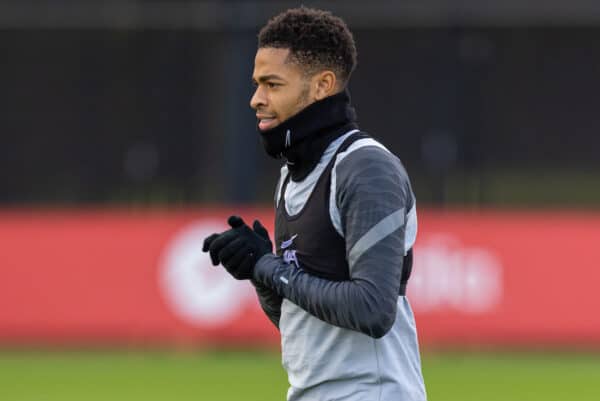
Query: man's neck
{"type": "Point", "coordinates": [303, 138]}
{"type": "Point", "coordinates": [302, 159]}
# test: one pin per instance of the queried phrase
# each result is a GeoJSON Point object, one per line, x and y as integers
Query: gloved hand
{"type": "Point", "coordinates": [240, 248]}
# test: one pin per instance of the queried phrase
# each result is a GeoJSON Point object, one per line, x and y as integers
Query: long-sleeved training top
{"type": "Point", "coordinates": [347, 330]}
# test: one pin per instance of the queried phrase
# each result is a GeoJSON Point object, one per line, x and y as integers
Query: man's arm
{"type": "Point", "coordinates": [270, 302]}
{"type": "Point", "coordinates": [373, 196]}
{"type": "Point", "coordinates": [237, 250]}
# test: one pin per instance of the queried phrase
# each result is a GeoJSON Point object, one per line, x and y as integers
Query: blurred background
{"type": "Point", "coordinates": [126, 137]}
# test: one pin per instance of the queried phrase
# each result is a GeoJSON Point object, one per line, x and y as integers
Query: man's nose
{"type": "Point", "coordinates": [258, 99]}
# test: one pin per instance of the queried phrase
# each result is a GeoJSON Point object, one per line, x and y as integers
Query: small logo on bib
{"type": "Point", "coordinates": [289, 255]}
{"type": "Point", "coordinates": [287, 243]}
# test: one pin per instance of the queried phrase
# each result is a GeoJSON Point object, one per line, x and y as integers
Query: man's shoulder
{"type": "Point", "coordinates": [366, 153]}
{"type": "Point", "coordinates": [369, 167]}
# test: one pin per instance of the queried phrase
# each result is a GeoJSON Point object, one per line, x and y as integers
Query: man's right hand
{"type": "Point", "coordinates": [238, 249]}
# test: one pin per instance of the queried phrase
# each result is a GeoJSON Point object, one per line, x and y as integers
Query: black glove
{"type": "Point", "coordinates": [240, 248]}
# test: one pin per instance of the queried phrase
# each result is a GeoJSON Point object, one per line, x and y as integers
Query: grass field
{"type": "Point", "coordinates": [255, 376]}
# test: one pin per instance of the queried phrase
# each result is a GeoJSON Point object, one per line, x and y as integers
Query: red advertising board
{"type": "Point", "coordinates": [123, 277]}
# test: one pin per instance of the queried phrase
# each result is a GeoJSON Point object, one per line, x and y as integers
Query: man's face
{"type": "Point", "coordinates": [282, 89]}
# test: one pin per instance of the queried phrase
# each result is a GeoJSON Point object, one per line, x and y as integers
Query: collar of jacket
{"type": "Point", "coordinates": [303, 138]}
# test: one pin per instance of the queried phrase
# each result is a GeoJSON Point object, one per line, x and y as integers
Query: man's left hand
{"type": "Point", "coordinates": [240, 248]}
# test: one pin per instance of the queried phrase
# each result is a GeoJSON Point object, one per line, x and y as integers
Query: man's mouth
{"type": "Point", "coordinates": [265, 123]}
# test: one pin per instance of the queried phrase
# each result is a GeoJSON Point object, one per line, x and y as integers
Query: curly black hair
{"type": "Point", "coordinates": [317, 40]}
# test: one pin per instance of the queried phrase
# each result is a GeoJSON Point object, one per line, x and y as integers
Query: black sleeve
{"type": "Point", "coordinates": [270, 302]}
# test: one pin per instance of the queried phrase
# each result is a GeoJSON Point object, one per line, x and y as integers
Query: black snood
{"type": "Point", "coordinates": [302, 138]}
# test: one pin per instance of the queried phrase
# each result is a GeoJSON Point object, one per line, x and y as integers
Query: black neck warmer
{"type": "Point", "coordinates": [303, 138]}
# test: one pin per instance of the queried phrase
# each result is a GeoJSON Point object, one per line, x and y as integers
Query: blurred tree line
{"type": "Point", "coordinates": [480, 116]}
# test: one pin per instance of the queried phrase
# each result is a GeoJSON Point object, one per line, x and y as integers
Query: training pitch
{"type": "Point", "coordinates": [258, 376]}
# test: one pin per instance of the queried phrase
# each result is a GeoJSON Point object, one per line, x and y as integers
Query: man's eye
{"type": "Point", "coordinates": [272, 85]}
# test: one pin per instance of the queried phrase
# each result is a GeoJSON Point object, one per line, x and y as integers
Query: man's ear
{"type": "Point", "coordinates": [325, 84]}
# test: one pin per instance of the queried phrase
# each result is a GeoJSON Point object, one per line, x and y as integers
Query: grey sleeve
{"type": "Point", "coordinates": [373, 196]}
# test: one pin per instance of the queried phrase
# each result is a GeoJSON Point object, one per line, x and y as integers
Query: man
{"type": "Point", "coordinates": [345, 224]}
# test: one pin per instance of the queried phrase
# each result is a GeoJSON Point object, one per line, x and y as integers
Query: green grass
{"type": "Point", "coordinates": [250, 376]}
{"type": "Point", "coordinates": [512, 377]}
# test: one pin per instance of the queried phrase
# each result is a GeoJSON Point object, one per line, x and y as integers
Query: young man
{"type": "Point", "coordinates": [345, 224]}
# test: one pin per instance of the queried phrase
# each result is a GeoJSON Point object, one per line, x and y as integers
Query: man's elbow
{"type": "Point", "coordinates": [379, 324]}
